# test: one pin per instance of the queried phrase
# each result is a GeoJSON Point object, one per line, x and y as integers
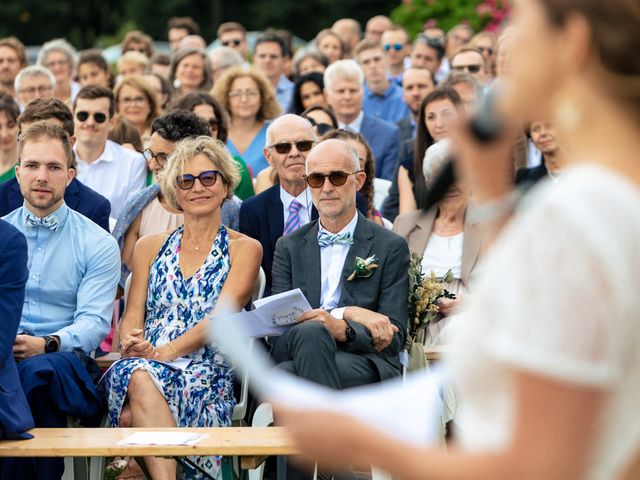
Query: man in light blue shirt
{"type": "Point", "coordinates": [269, 57]}
{"type": "Point", "coordinates": [382, 98]}
{"type": "Point", "coordinates": [74, 266]}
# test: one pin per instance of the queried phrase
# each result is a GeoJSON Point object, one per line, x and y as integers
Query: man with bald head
{"type": "Point", "coordinates": [358, 323]}
{"type": "Point", "coordinates": [350, 31]}
{"type": "Point", "coordinates": [376, 26]}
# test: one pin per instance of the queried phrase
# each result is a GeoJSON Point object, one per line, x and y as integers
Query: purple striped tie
{"type": "Point", "coordinates": [293, 221]}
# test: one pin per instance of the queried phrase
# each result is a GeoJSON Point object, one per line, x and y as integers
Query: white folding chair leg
{"type": "Point", "coordinates": [377, 474]}
{"type": "Point", "coordinates": [68, 469]}
{"type": "Point", "coordinates": [96, 468]}
{"type": "Point", "coordinates": [263, 417]}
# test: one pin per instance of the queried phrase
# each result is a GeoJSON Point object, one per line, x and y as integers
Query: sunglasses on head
{"type": "Point", "coordinates": [83, 116]}
{"type": "Point", "coordinates": [228, 43]}
{"type": "Point", "coordinates": [285, 147]}
{"type": "Point", "coordinates": [396, 46]}
{"type": "Point", "coordinates": [468, 68]}
{"type": "Point", "coordinates": [207, 179]}
{"type": "Point", "coordinates": [337, 179]}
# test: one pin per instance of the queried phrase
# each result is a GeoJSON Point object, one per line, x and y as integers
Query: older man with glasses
{"type": "Point", "coordinates": [353, 272]}
{"type": "Point", "coordinates": [33, 82]}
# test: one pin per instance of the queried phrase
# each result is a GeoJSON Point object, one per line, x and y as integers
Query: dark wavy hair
{"type": "Point", "coordinates": [424, 139]}
{"type": "Point", "coordinates": [180, 124]}
{"type": "Point", "coordinates": [192, 100]}
{"type": "Point", "coordinates": [296, 100]}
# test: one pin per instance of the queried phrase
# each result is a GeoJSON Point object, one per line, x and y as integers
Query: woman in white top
{"type": "Point", "coordinates": [547, 366]}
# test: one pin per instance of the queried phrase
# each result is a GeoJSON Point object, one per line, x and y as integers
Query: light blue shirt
{"type": "Point", "coordinates": [253, 156]}
{"type": "Point", "coordinates": [389, 106]}
{"type": "Point", "coordinates": [73, 275]}
{"type": "Point", "coordinates": [284, 92]}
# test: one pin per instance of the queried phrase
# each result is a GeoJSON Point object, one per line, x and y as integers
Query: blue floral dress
{"type": "Point", "coordinates": [201, 395]}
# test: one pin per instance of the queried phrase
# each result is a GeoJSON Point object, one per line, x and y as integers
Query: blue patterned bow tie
{"type": "Point", "coordinates": [325, 238]}
{"type": "Point", "coordinates": [50, 222]}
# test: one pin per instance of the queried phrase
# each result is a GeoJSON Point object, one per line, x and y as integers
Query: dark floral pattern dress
{"type": "Point", "coordinates": [200, 395]}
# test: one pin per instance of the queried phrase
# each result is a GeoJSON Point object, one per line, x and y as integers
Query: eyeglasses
{"type": "Point", "coordinates": [41, 90]}
{"type": "Point", "coordinates": [187, 181]}
{"type": "Point", "coordinates": [161, 158]}
{"type": "Point", "coordinates": [489, 50]}
{"type": "Point", "coordinates": [133, 100]}
{"type": "Point", "coordinates": [227, 43]}
{"type": "Point", "coordinates": [83, 116]}
{"type": "Point", "coordinates": [396, 46]}
{"type": "Point", "coordinates": [285, 147]}
{"type": "Point", "coordinates": [57, 63]}
{"type": "Point", "coordinates": [469, 68]}
{"type": "Point", "coordinates": [245, 93]}
{"type": "Point", "coordinates": [337, 179]}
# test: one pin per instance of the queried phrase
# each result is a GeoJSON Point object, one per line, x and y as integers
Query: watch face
{"type": "Point", "coordinates": [50, 345]}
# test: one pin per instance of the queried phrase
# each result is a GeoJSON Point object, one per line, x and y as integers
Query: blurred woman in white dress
{"type": "Point", "coordinates": [547, 362]}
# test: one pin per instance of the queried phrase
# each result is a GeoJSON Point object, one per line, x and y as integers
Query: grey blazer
{"type": "Point", "coordinates": [296, 264]}
{"type": "Point", "coordinates": [416, 228]}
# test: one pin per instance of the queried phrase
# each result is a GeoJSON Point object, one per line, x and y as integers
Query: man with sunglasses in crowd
{"type": "Point", "coordinates": [356, 330]}
{"type": "Point", "coordinates": [110, 169]}
{"type": "Point", "coordinates": [395, 43]}
{"type": "Point", "coordinates": [77, 196]}
{"type": "Point", "coordinates": [234, 35]}
{"type": "Point", "coordinates": [68, 304]}
{"type": "Point", "coordinates": [469, 59]}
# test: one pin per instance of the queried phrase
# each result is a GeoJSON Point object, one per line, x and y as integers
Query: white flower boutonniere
{"type": "Point", "coordinates": [363, 267]}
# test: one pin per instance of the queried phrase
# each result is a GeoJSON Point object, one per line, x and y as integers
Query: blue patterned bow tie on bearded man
{"type": "Point", "coordinates": [50, 222]}
{"type": "Point", "coordinates": [325, 238]}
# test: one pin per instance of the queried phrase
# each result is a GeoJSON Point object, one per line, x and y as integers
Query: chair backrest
{"type": "Point", "coordinates": [381, 188]}
{"type": "Point", "coordinates": [127, 286]}
{"type": "Point", "coordinates": [240, 410]}
{"type": "Point", "coordinates": [258, 291]}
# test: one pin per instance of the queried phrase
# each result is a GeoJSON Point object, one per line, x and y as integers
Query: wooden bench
{"type": "Point", "coordinates": [252, 445]}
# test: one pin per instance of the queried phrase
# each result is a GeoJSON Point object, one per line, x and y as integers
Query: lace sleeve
{"type": "Point", "coordinates": [558, 290]}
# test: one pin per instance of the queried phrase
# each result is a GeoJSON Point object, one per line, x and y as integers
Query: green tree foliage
{"type": "Point", "coordinates": [448, 13]}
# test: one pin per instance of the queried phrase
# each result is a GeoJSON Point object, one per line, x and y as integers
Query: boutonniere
{"type": "Point", "coordinates": [363, 267]}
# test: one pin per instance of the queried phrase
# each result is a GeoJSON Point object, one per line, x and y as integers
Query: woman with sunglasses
{"type": "Point", "coordinates": [546, 361]}
{"type": "Point", "coordinates": [438, 112]}
{"type": "Point", "coordinates": [208, 109]}
{"type": "Point", "coordinates": [170, 374]}
{"type": "Point", "coordinates": [250, 99]}
{"type": "Point", "coordinates": [136, 101]}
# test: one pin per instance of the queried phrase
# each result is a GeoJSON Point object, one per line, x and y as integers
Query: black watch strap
{"type": "Point", "coordinates": [50, 344]}
{"type": "Point", "coordinates": [350, 334]}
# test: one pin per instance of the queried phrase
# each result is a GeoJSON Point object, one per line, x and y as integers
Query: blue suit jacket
{"type": "Point", "coordinates": [77, 196]}
{"type": "Point", "coordinates": [384, 140]}
{"type": "Point", "coordinates": [15, 416]}
{"type": "Point", "coordinates": [262, 218]}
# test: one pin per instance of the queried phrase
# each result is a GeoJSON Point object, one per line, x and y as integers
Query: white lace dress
{"type": "Point", "coordinates": [558, 297]}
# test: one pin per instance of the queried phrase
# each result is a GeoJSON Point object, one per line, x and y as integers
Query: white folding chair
{"type": "Point", "coordinates": [380, 191]}
{"type": "Point", "coordinates": [258, 291]}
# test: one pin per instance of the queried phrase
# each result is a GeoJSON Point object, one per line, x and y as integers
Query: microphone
{"type": "Point", "coordinates": [485, 125]}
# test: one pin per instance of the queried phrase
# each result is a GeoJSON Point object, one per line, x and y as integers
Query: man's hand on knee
{"type": "Point", "coordinates": [380, 327]}
{"type": "Point", "coordinates": [337, 328]}
{"type": "Point", "coordinates": [27, 346]}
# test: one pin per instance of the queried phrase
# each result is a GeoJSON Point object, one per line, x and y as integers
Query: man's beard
{"type": "Point", "coordinates": [43, 204]}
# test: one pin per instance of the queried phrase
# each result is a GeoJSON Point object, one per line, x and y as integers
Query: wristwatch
{"type": "Point", "coordinates": [50, 344]}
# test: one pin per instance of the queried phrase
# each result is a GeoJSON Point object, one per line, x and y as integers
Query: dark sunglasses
{"type": "Point", "coordinates": [235, 43]}
{"type": "Point", "coordinates": [489, 50]}
{"type": "Point", "coordinates": [187, 181]}
{"type": "Point", "coordinates": [161, 158]}
{"type": "Point", "coordinates": [337, 179]}
{"type": "Point", "coordinates": [99, 117]}
{"type": "Point", "coordinates": [468, 68]}
{"type": "Point", "coordinates": [214, 124]}
{"type": "Point", "coordinates": [396, 46]}
{"type": "Point", "coordinates": [285, 147]}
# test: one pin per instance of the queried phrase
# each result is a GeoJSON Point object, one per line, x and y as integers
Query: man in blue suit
{"type": "Point", "coordinates": [15, 416]}
{"type": "Point", "coordinates": [343, 87]}
{"type": "Point", "coordinates": [77, 196]}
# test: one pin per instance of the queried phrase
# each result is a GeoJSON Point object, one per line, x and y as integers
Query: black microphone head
{"type": "Point", "coordinates": [487, 124]}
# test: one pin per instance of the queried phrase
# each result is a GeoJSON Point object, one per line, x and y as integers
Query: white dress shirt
{"type": "Point", "coordinates": [332, 260]}
{"type": "Point", "coordinates": [353, 126]}
{"type": "Point", "coordinates": [305, 200]}
{"type": "Point", "coordinates": [117, 174]}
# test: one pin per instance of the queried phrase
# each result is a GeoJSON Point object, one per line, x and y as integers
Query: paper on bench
{"type": "Point", "coordinates": [274, 314]}
{"type": "Point", "coordinates": [162, 438]}
{"type": "Point", "coordinates": [409, 411]}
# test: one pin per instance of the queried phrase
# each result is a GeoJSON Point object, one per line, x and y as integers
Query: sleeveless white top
{"type": "Point", "coordinates": [558, 297]}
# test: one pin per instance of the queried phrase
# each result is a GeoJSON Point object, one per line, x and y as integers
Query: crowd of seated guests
{"type": "Point", "coordinates": [188, 172]}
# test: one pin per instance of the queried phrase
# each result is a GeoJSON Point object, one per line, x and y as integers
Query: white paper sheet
{"type": "Point", "coordinates": [274, 314]}
{"type": "Point", "coordinates": [162, 438]}
{"type": "Point", "coordinates": [409, 410]}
